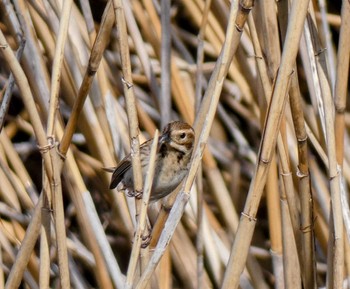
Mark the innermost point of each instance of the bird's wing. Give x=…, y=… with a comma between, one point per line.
x=119, y=171
x=125, y=164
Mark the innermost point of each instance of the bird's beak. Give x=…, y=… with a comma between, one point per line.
x=163, y=138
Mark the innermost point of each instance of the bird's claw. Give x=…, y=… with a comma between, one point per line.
x=145, y=238
x=135, y=194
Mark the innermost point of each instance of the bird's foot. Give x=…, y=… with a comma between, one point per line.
x=146, y=238
x=135, y=194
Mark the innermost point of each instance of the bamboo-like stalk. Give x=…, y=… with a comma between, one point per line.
x=112, y=265
x=141, y=225
x=285, y=171
x=94, y=62
x=240, y=247
x=199, y=180
x=342, y=73
x=290, y=261
x=23, y=85
x=28, y=243
x=271, y=186
x=306, y=255
x=28, y=98
x=333, y=171
x=341, y=83
x=141, y=49
x=5, y=103
x=328, y=43
x=18, y=166
x=307, y=220
x=95, y=241
x=165, y=99
x=208, y=108
x=132, y=114
x=57, y=64
x=57, y=200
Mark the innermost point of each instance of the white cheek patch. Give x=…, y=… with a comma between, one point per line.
x=178, y=147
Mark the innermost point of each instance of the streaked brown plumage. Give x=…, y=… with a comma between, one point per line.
x=174, y=151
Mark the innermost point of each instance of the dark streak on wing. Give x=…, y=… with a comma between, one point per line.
x=119, y=172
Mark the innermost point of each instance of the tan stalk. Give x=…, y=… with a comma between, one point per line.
x=57, y=200
x=341, y=83
x=334, y=173
x=165, y=62
x=27, y=246
x=203, y=125
x=306, y=199
x=22, y=82
x=199, y=180
x=274, y=209
x=132, y=114
x=291, y=257
x=141, y=225
x=246, y=227
x=141, y=49
x=94, y=62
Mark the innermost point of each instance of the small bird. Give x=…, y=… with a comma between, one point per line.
x=175, y=146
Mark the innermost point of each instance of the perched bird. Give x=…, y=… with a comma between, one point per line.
x=175, y=146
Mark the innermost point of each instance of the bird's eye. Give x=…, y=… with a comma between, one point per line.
x=183, y=135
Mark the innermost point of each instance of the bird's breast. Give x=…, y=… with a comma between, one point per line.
x=171, y=170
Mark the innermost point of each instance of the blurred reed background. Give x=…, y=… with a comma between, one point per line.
x=79, y=78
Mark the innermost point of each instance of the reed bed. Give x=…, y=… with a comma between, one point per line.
x=264, y=84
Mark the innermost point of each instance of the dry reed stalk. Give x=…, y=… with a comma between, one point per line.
x=291, y=265
x=27, y=246
x=271, y=185
x=11, y=198
x=177, y=89
x=333, y=172
x=111, y=263
x=200, y=226
x=57, y=201
x=6, y=99
x=247, y=223
x=88, y=232
x=342, y=74
x=208, y=107
x=23, y=84
x=285, y=171
x=94, y=62
x=306, y=198
x=182, y=252
x=142, y=221
x=290, y=222
x=165, y=60
x=327, y=40
x=141, y=50
x=133, y=130
x=18, y=167
x=39, y=132
x=267, y=31
x=63, y=147
x=164, y=271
